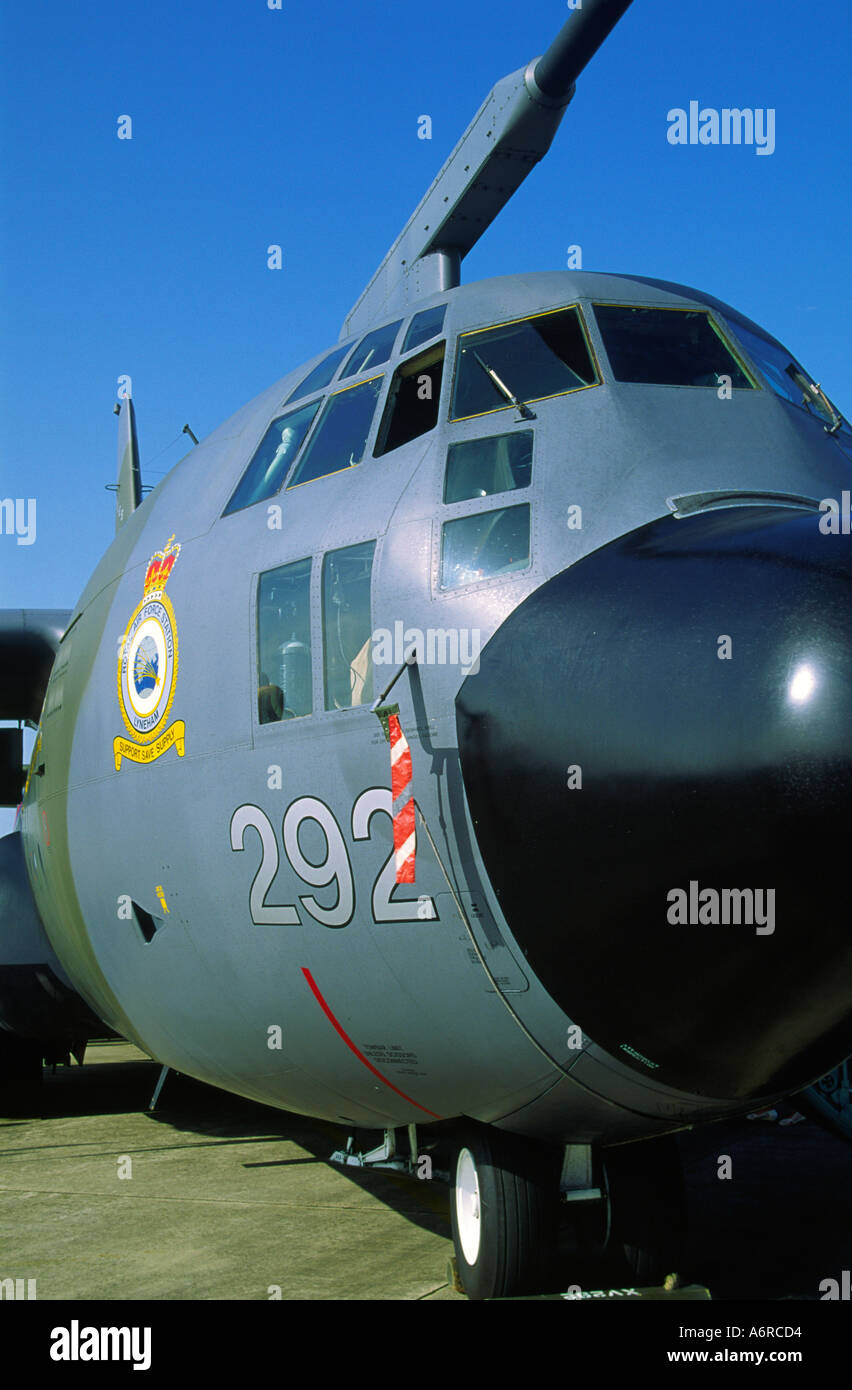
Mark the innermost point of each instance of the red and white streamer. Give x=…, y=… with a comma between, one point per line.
x=404, y=838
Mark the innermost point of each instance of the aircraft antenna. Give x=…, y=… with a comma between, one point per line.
x=507, y=137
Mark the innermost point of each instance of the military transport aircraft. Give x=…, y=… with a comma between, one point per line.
x=461, y=731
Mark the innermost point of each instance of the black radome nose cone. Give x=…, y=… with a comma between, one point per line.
x=674, y=712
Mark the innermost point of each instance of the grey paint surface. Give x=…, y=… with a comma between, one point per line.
x=204, y=992
x=419, y=1029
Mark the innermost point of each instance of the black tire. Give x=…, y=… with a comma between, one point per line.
x=518, y=1207
x=648, y=1199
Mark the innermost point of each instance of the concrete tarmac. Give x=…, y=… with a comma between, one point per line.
x=220, y=1198
x=214, y=1197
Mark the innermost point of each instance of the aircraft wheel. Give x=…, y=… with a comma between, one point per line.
x=648, y=1207
x=503, y=1215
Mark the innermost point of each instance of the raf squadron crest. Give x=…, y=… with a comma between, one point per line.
x=148, y=669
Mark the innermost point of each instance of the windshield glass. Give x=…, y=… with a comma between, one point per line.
x=790, y=381
x=373, y=350
x=529, y=360
x=319, y=377
x=425, y=325
x=667, y=347
x=272, y=458
x=339, y=439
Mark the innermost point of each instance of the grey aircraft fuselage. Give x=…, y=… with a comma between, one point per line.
x=438, y=1012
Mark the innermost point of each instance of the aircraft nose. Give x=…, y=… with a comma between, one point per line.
x=657, y=754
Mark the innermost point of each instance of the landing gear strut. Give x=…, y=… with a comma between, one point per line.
x=510, y=1197
x=648, y=1206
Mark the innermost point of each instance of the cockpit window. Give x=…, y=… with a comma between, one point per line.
x=412, y=404
x=425, y=325
x=480, y=467
x=667, y=347
x=339, y=439
x=790, y=381
x=272, y=458
x=319, y=377
x=525, y=360
x=484, y=545
x=373, y=350
x=284, y=643
x=347, y=625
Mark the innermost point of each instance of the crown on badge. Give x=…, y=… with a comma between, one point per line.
x=160, y=567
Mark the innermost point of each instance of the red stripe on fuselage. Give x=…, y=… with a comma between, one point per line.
x=350, y=1044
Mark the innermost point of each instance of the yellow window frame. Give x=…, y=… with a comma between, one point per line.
x=507, y=323
x=683, y=309
x=314, y=431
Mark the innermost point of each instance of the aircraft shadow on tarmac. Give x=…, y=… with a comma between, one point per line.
x=775, y=1229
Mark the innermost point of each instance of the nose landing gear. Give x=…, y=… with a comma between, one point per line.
x=504, y=1210
x=509, y=1199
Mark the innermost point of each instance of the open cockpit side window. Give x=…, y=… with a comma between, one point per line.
x=413, y=398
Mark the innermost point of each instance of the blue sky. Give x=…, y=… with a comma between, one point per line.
x=298, y=126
